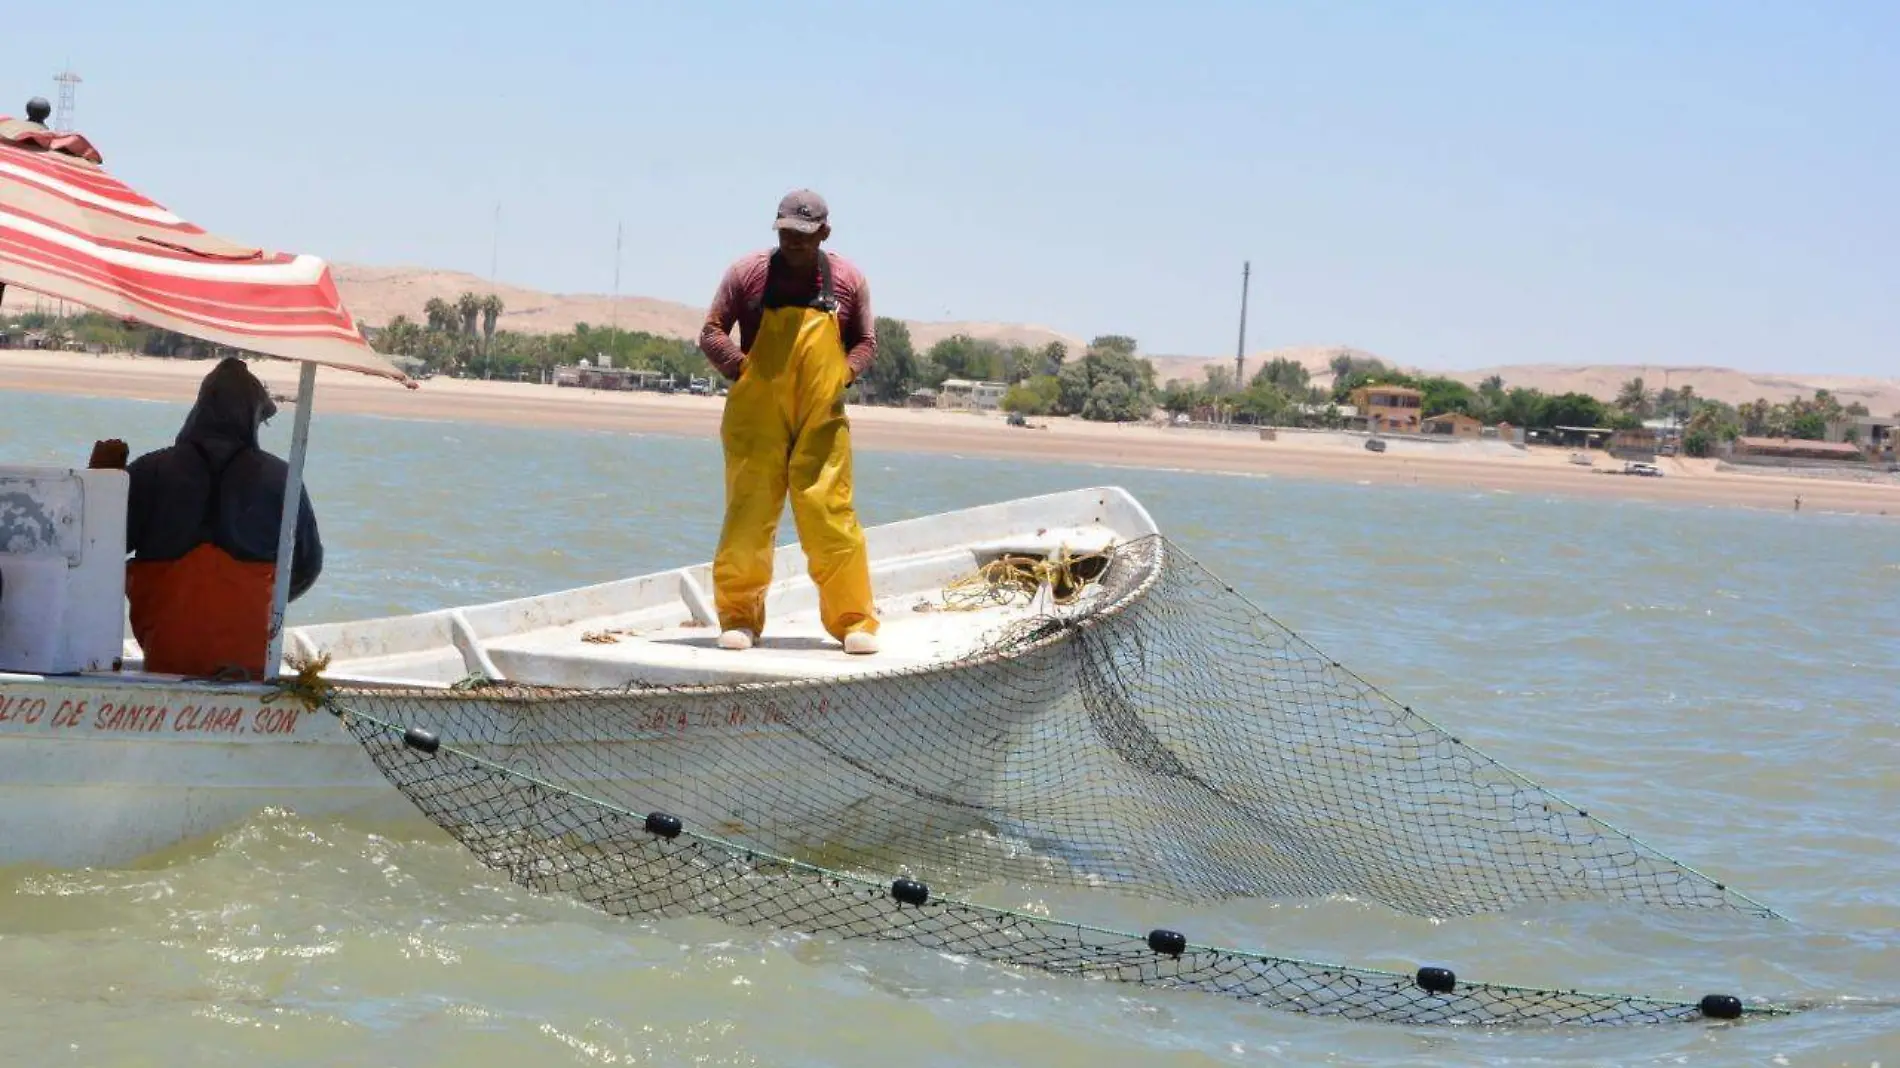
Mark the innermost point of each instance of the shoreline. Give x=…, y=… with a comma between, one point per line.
x=1317, y=456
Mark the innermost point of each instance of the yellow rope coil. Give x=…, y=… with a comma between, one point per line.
x=307, y=686
x=1004, y=579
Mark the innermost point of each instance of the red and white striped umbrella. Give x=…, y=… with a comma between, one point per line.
x=70, y=230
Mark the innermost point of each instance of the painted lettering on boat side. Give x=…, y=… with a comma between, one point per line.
x=21, y=709
x=737, y=715
x=100, y=712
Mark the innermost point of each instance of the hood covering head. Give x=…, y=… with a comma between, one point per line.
x=231, y=405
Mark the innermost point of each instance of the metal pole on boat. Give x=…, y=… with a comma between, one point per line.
x=287, y=524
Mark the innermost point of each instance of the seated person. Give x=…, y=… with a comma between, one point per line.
x=201, y=525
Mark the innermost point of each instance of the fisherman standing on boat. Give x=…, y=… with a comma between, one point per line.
x=202, y=521
x=805, y=334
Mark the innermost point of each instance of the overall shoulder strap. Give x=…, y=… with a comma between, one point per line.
x=826, y=300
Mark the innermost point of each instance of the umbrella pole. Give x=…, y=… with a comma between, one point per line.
x=287, y=524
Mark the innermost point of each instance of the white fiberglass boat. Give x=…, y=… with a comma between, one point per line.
x=101, y=762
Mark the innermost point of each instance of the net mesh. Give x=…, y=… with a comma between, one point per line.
x=1159, y=735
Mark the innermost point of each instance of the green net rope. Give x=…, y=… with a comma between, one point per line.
x=1167, y=738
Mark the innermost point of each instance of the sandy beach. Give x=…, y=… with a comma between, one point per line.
x=1293, y=455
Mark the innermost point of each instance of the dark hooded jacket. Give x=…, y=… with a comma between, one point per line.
x=217, y=485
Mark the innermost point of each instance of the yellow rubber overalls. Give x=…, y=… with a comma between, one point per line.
x=784, y=428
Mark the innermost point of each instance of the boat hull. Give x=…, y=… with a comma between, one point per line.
x=102, y=769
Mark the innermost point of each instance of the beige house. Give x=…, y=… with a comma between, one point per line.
x=961, y=393
x=1395, y=408
x=1454, y=424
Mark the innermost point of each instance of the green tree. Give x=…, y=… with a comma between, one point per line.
x=1220, y=380
x=894, y=373
x=962, y=356
x=1443, y=395
x=1073, y=386
x=1266, y=402
x=1808, y=426
x=1111, y=401
x=1036, y=396
x=1180, y=397
x=1368, y=373
x=1570, y=409
x=1287, y=376
x=400, y=336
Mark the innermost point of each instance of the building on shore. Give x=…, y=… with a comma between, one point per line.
x=1636, y=443
x=1875, y=433
x=1785, y=451
x=1393, y=408
x=959, y=394
x=1454, y=424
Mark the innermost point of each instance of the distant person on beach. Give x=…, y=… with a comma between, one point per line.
x=201, y=524
x=805, y=334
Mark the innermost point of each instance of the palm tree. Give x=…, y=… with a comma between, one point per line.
x=469, y=307
x=439, y=314
x=399, y=335
x=491, y=311
x=1633, y=398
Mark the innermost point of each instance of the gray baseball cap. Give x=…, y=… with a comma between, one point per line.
x=802, y=210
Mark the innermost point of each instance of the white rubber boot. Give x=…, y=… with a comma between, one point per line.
x=737, y=640
x=860, y=643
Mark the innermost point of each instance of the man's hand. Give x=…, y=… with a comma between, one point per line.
x=109, y=455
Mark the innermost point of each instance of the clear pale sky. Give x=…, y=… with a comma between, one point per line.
x=1451, y=185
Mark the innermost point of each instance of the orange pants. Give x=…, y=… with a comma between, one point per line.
x=201, y=614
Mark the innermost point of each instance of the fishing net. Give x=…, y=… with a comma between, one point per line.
x=1143, y=729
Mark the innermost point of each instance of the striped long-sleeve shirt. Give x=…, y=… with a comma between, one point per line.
x=741, y=299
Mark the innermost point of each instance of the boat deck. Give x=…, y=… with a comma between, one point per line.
x=913, y=632
x=661, y=629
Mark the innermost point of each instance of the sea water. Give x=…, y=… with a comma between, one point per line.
x=1720, y=683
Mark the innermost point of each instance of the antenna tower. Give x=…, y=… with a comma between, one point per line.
x=614, y=304
x=1240, y=350
x=68, y=80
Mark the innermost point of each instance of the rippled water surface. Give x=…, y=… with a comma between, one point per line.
x=1721, y=683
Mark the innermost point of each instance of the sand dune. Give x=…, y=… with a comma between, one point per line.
x=1880, y=395
x=1603, y=381
x=1473, y=466
x=377, y=294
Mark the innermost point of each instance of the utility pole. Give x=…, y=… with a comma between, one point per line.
x=614, y=304
x=1240, y=350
